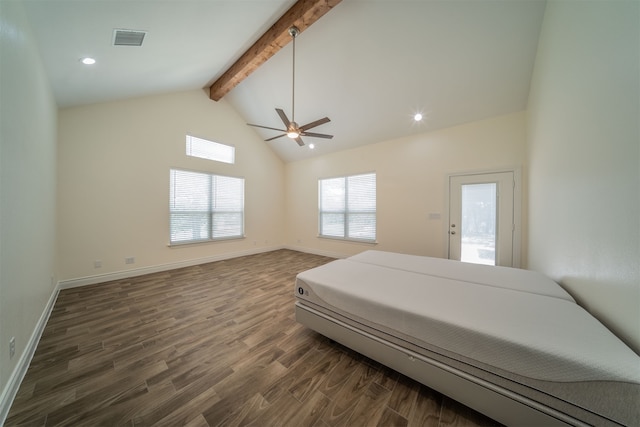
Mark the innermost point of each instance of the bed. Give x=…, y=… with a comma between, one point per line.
x=509, y=343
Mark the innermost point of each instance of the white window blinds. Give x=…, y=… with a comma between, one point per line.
x=204, y=149
x=205, y=207
x=347, y=207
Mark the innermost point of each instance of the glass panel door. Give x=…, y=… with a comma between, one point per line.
x=481, y=218
x=478, y=226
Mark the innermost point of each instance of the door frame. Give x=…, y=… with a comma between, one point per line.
x=517, y=209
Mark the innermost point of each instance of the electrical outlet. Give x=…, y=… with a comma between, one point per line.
x=12, y=347
x=97, y=263
x=130, y=260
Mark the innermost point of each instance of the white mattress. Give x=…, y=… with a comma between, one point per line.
x=502, y=277
x=540, y=336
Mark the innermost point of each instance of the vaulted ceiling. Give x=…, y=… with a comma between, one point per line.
x=369, y=65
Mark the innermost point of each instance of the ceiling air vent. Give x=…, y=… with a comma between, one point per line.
x=128, y=37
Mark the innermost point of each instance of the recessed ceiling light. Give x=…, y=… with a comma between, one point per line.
x=312, y=146
x=88, y=61
x=417, y=117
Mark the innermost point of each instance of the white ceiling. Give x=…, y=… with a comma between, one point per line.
x=368, y=65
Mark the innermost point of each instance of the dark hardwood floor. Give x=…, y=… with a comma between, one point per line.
x=215, y=344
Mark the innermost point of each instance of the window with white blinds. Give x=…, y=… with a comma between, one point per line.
x=205, y=207
x=347, y=207
x=210, y=150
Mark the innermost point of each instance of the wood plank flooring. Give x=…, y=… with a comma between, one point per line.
x=211, y=345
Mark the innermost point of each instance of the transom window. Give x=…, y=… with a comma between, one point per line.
x=210, y=150
x=347, y=207
x=205, y=207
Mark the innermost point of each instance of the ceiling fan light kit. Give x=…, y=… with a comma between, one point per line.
x=292, y=130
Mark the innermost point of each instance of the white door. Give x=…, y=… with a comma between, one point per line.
x=481, y=218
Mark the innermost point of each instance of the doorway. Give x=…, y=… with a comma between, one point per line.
x=482, y=218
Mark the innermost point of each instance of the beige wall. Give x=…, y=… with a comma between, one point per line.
x=584, y=158
x=412, y=178
x=113, y=159
x=113, y=199
x=27, y=191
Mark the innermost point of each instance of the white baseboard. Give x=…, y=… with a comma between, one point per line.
x=124, y=274
x=15, y=379
x=119, y=275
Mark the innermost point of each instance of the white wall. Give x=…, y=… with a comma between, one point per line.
x=584, y=160
x=412, y=178
x=27, y=189
x=113, y=198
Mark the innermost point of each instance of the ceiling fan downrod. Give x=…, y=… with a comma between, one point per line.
x=292, y=130
x=293, y=32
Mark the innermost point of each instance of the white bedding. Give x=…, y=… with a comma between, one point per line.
x=537, y=336
x=502, y=277
x=514, y=331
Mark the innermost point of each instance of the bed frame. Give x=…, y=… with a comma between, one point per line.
x=487, y=391
x=502, y=405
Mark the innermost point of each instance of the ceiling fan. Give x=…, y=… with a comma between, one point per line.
x=292, y=130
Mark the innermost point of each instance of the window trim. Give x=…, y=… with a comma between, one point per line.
x=209, y=212
x=346, y=212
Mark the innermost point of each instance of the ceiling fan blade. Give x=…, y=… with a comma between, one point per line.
x=299, y=141
x=275, y=137
x=266, y=127
x=283, y=116
x=314, y=124
x=317, y=135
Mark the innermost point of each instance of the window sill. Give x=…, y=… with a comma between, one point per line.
x=204, y=242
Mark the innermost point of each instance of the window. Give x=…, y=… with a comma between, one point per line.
x=347, y=207
x=198, y=147
x=205, y=207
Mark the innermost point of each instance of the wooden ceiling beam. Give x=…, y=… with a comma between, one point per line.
x=302, y=14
